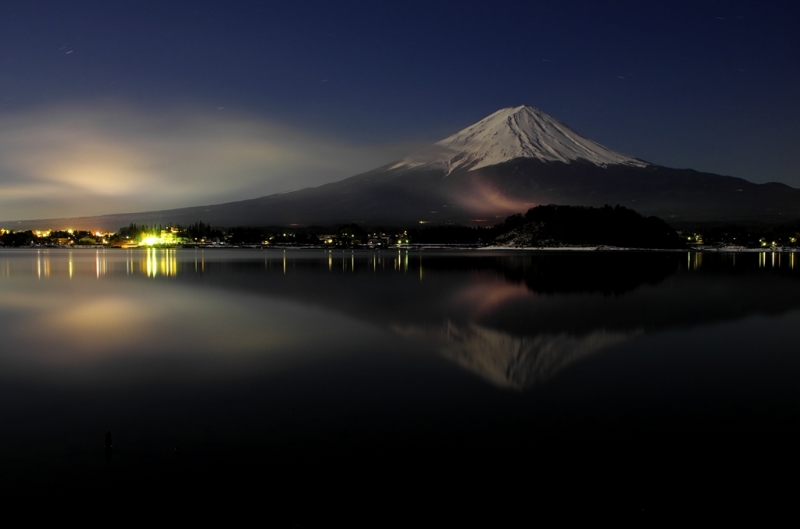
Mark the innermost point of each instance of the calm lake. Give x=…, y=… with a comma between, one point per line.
x=338, y=383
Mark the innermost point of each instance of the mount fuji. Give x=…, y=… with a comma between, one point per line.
x=508, y=162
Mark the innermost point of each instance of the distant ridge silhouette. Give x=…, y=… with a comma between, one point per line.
x=510, y=161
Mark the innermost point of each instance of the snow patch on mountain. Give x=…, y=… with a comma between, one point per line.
x=509, y=133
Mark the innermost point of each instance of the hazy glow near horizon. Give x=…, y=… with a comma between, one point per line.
x=71, y=161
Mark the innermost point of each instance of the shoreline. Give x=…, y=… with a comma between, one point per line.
x=597, y=248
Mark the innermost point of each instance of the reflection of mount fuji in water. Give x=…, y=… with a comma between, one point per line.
x=516, y=319
x=513, y=361
x=520, y=320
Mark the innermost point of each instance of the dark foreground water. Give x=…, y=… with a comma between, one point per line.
x=383, y=386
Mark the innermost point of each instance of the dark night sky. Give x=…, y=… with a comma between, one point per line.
x=124, y=106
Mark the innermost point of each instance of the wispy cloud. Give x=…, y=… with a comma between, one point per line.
x=71, y=161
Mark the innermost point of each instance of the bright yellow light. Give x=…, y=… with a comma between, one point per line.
x=150, y=241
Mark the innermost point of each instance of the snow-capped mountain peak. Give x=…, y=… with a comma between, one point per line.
x=518, y=132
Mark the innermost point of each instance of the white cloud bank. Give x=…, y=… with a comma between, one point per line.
x=76, y=161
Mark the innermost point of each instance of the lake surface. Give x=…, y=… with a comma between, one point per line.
x=315, y=384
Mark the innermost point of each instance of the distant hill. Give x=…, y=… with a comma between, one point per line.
x=554, y=226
